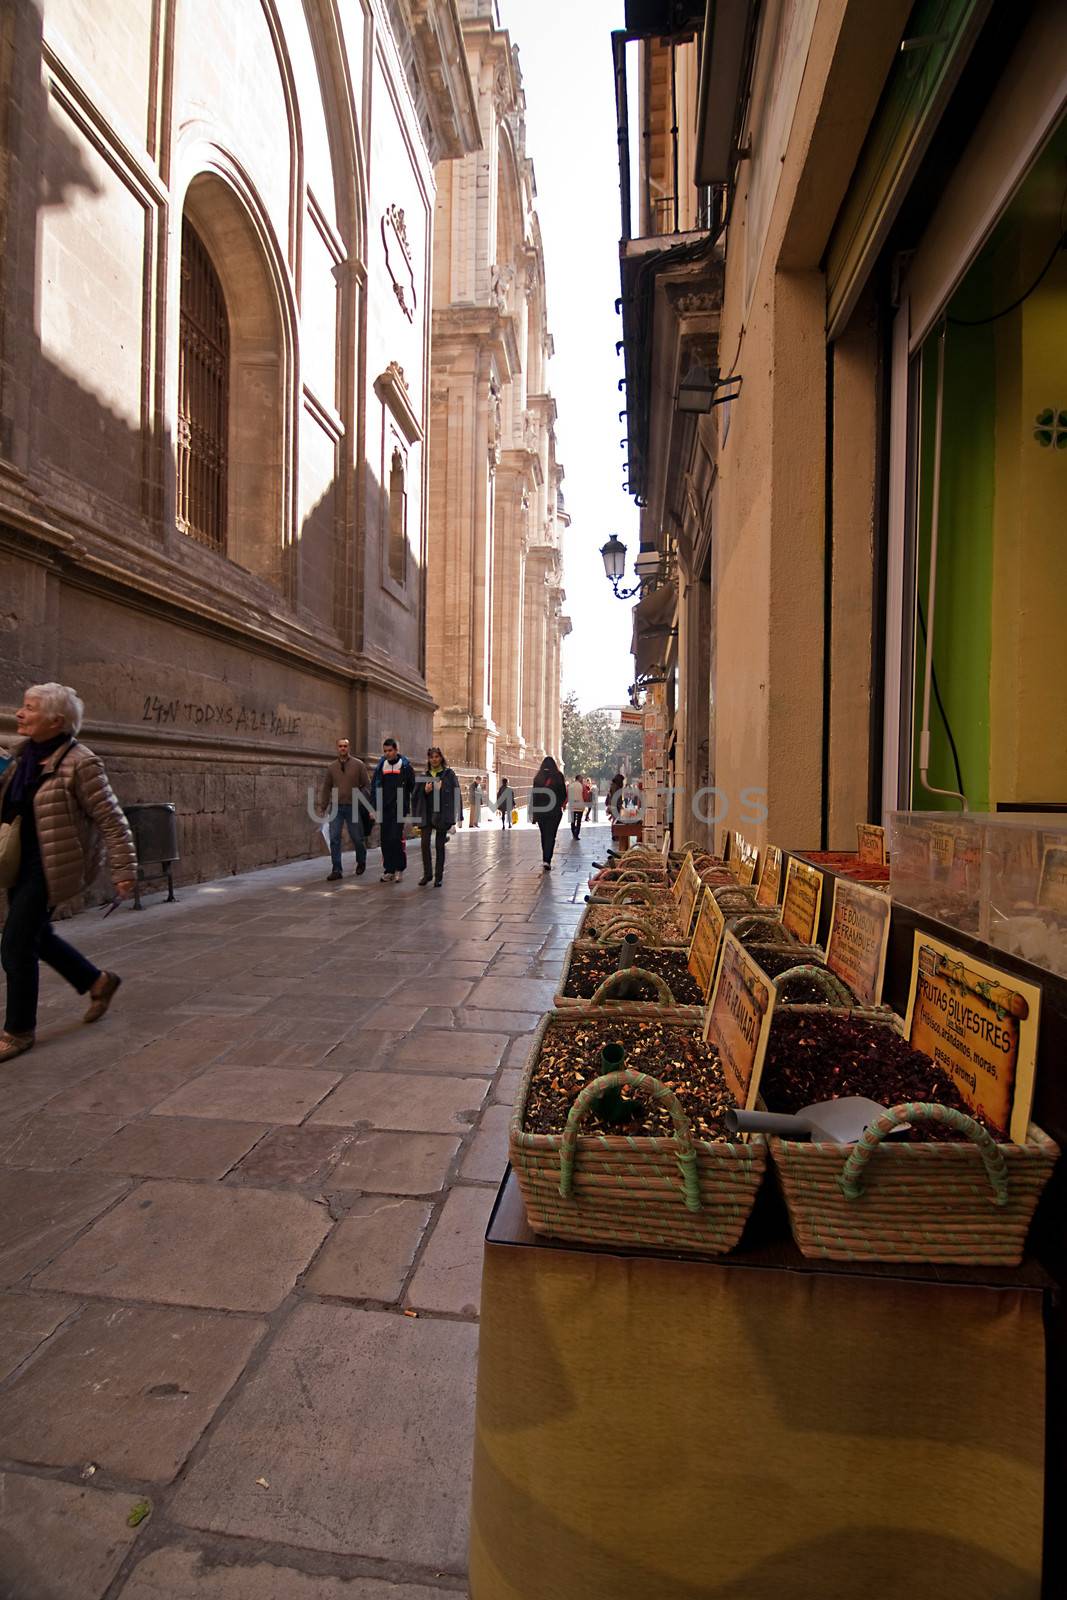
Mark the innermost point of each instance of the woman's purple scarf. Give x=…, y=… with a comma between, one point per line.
x=28, y=765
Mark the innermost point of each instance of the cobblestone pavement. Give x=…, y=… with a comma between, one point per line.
x=241, y=1224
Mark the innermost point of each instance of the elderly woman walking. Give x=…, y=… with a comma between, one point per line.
x=54, y=797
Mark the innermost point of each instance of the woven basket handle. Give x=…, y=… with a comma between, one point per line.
x=914, y=1114
x=831, y=986
x=640, y=891
x=623, y=923
x=686, y=1155
x=604, y=991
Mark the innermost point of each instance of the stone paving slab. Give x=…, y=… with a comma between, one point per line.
x=59, y=1541
x=439, y=1050
x=26, y=1321
x=513, y=994
x=125, y=1089
x=175, y=1147
x=347, y=1397
x=509, y=1021
x=449, y=1276
x=270, y=1094
x=487, y=1154
x=47, y=1141
x=195, y=1245
x=506, y=1088
x=293, y=1156
x=184, y=1575
x=39, y=1215
x=129, y=1388
x=415, y=1103
x=395, y=1163
x=369, y=1253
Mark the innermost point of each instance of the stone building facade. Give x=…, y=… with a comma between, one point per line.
x=215, y=263
x=495, y=605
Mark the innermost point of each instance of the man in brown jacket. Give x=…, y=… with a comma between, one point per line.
x=344, y=779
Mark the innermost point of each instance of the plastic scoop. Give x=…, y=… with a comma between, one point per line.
x=830, y=1122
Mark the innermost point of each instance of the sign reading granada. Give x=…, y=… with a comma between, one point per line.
x=704, y=950
x=803, y=898
x=739, y=1020
x=980, y=1026
x=859, y=939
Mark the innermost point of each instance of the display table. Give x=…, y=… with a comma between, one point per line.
x=754, y=1427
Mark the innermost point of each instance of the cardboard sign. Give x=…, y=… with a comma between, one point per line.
x=686, y=889
x=870, y=841
x=859, y=939
x=738, y=1022
x=770, y=881
x=802, y=901
x=707, y=937
x=980, y=1026
x=1052, y=887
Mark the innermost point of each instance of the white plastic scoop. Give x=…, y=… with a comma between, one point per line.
x=831, y=1121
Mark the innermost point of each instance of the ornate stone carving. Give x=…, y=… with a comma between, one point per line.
x=500, y=283
x=398, y=260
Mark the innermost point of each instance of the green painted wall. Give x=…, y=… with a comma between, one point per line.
x=963, y=633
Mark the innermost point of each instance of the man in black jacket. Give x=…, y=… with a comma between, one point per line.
x=391, y=790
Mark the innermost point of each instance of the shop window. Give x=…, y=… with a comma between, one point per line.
x=398, y=520
x=203, y=396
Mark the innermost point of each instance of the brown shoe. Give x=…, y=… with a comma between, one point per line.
x=101, y=997
x=14, y=1044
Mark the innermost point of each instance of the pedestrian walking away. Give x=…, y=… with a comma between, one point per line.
x=438, y=805
x=391, y=788
x=475, y=803
x=56, y=805
x=548, y=799
x=505, y=802
x=345, y=782
x=576, y=803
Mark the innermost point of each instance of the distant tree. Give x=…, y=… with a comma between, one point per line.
x=590, y=741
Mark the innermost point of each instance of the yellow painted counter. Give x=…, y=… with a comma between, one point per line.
x=756, y=1428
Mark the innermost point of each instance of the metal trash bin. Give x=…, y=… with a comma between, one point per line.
x=155, y=835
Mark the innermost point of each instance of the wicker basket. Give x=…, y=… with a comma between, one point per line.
x=898, y=1201
x=609, y=921
x=602, y=998
x=670, y=1194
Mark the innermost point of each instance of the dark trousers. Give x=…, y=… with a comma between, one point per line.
x=576, y=823
x=549, y=827
x=433, y=837
x=394, y=856
x=347, y=817
x=28, y=940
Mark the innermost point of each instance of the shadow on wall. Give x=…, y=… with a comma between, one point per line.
x=87, y=456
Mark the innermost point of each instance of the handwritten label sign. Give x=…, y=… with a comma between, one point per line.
x=870, y=841
x=1052, y=888
x=746, y=857
x=770, y=881
x=802, y=901
x=980, y=1026
x=704, y=950
x=686, y=889
x=859, y=939
x=738, y=1022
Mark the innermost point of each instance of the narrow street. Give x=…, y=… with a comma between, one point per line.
x=241, y=1224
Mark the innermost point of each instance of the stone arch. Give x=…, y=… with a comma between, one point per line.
x=233, y=226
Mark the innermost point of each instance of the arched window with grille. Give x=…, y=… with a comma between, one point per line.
x=203, y=396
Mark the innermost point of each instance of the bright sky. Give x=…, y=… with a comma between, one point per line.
x=565, y=56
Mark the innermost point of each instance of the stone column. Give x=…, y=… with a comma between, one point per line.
x=511, y=495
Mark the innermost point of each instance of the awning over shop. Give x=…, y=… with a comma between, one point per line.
x=653, y=619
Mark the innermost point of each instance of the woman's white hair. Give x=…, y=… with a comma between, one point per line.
x=59, y=700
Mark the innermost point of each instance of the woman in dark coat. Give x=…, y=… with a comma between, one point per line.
x=438, y=804
x=547, y=802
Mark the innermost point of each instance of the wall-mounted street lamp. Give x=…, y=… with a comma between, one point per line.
x=647, y=566
x=698, y=390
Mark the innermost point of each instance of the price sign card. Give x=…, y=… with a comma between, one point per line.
x=980, y=1026
x=870, y=841
x=803, y=898
x=686, y=890
x=770, y=881
x=747, y=857
x=859, y=939
x=704, y=950
x=738, y=1021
